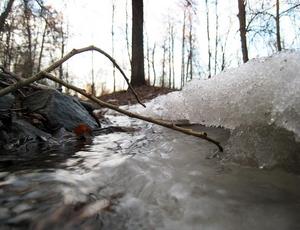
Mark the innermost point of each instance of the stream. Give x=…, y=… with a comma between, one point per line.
x=153, y=178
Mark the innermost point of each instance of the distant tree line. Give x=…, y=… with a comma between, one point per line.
x=33, y=33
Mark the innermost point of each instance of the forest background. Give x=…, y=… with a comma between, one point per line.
x=183, y=39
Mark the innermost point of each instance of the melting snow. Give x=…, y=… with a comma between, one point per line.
x=258, y=101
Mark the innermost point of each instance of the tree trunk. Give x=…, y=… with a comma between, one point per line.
x=113, y=42
x=42, y=48
x=28, y=65
x=242, y=21
x=126, y=33
x=217, y=37
x=148, y=62
x=153, y=64
x=137, y=66
x=191, y=46
x=163, y=75
x=170, y=54
x=173, y=62
x=278, y=39
x=183, y=50
x=5, y=14
x=208, y=39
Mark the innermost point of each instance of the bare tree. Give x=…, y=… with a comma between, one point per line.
x=264, y=23
x=113, y=42
x=148, y=61
x=36, y=28
x=126, y=32
x=277, y=19
x=153, y=64
x=171, y=43
x=4, y=14
x=242, y=21
x=173, y=54
x=163, y=72
x=137, y=65
x=208, y=38
x=183, y=48
x=216, y=36
x=29, y=62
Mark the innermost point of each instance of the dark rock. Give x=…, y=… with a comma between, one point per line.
x=24, y=137
x=60, y=110
x=6, y=101
x=90, y=108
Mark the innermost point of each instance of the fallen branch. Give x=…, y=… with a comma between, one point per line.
x=45, y=73
x=130, y=114
x=59, y=62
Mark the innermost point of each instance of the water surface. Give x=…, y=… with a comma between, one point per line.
x=153, y=178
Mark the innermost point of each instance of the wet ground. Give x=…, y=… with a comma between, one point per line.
x=150, y=179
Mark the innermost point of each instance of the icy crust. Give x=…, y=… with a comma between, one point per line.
x=257, y=101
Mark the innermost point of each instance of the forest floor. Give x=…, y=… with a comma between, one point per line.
x=126, y=97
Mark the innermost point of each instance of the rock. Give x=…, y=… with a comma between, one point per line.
x=60, y=110
x=6, y=101
x=24, y=137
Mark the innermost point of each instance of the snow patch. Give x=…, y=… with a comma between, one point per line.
x=258, y=101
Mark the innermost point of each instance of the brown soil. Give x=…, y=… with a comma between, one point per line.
x=126, y=97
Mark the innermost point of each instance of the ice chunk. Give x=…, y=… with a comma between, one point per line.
x=263, y=94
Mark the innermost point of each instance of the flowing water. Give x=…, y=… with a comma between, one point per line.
x=153, y=178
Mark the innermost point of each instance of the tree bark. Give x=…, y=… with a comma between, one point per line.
x=29, y=64
x=113, y=42
x=183, y=50
x=190, y=58
x=208, y=39
x=277, y=18
x=242, y=21
x=217, y=37
x=5, y=14
x=42, y=48
x=137, y=65
x=163, y=74
x=153, y=64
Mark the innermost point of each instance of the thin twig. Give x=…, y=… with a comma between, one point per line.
x=130, y=114
x=56, y=64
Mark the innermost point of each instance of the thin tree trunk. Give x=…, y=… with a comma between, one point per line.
x=188, y=67
x=173, y=62
x=113, y=42
x=242, y=21
x=208, y=39
x=170, y=56
x=93, y=76
x=153, y=64
x=42, y=48
x=148, y=61
x=5, y=14
x=7, y=48
x=163, y=65
x=191, y=47
x=28, y=68
x=62, y=53
x=126, y=33
x=217, y=37
x=183, y=51
x=277, y=18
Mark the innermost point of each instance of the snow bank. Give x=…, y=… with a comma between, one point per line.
x=258, y=101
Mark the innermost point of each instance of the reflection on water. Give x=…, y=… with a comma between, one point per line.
x=151, y=179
